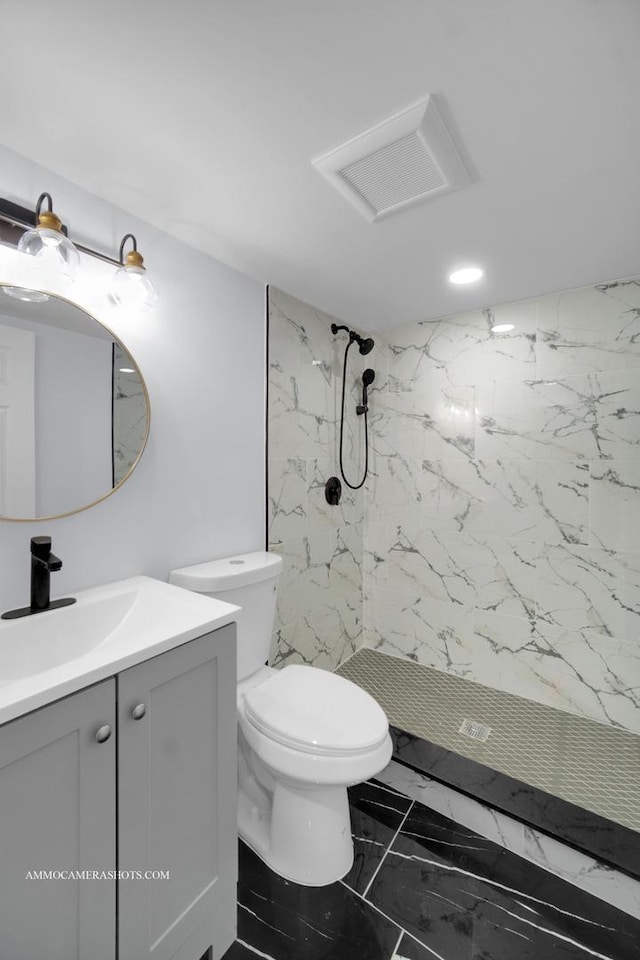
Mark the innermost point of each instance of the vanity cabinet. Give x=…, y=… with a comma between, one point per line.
x=57, y=813
x=158, y=794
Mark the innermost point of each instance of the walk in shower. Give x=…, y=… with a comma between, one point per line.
x=496, y=541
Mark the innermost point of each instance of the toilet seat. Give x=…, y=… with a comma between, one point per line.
x=313, y=711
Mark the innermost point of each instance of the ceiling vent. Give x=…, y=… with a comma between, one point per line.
x=400, y=162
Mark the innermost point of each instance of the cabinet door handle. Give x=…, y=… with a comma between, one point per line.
x=138, y=711
x=103, y=733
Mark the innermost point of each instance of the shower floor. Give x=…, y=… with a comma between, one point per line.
x=588, y=764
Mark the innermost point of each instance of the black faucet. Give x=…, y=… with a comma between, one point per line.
x=43, y=563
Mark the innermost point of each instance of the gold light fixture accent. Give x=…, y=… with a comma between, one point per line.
x=48, y=242
x=44, y=237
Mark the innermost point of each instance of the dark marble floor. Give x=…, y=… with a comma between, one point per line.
x=422, y=887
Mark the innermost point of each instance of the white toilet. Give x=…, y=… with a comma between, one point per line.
x=304, y=735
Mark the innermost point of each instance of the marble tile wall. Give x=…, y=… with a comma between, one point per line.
x=502, y=521
x=319, y=613
x=129, y=415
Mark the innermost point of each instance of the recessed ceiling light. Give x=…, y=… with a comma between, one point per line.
x=502, y=327
x=466, y=275
x=127, y=370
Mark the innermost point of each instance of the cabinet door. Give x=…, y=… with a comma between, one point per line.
x=177, y=801
x=57, y=813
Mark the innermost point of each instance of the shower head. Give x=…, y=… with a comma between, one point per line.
x=365, y=346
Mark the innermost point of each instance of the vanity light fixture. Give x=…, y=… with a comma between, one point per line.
x=131, y=286
x=466, y=275
x=43, y=235
x=47, y=239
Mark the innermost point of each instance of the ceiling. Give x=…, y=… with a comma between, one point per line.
x=203, y=118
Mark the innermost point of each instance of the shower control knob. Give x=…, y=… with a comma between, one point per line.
x=103, y=733
x=138, y=711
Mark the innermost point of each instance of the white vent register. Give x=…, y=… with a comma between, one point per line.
x=400, y=162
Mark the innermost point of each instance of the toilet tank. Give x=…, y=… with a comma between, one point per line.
x=249, y=580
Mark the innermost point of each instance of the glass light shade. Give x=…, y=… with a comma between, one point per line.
x=52, y=247
x=131, y=287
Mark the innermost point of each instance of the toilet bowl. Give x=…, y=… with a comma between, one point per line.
x=304, y=735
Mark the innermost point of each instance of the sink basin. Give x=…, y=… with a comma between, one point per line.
x=51, y=654
x=45, y=640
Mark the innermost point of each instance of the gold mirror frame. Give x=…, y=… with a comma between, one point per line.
x=118, y=341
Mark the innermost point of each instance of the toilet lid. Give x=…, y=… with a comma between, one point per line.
x=316, y=712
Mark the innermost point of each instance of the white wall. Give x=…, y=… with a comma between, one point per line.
x=198, y=490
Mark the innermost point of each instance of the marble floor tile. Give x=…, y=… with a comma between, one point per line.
x=408, y=949
x=377, y=812
x=440, y=890
x=465, y=898
x=241, y=951
x=281, y=920
x=574, y=866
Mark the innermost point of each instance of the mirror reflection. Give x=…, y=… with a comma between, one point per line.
x=74, y=410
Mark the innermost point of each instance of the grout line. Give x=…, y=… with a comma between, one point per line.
x=393, y=840
x=372, y=906
x=395, y=949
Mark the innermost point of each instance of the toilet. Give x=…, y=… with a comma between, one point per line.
x=304, y=735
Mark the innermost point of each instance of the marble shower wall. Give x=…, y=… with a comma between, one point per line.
x=319, y=612
x=502, y=533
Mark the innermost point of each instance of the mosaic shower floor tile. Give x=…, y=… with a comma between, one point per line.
x=588, y=764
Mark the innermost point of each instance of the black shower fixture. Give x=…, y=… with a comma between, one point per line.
x=333, y=487
x=365, y=346
x=368, y=377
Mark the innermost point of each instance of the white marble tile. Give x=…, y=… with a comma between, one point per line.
x=545, y=502
x=489, y=573
x=319, y=606
x=287, y=499
x=587, y=416
x=571, y=865
x=594, y=591
x=595, y=676
x=589, y=330
x=416, y=628
x=396, y=482
x=130, y=421
x=464, y=347
x=448, y=431
x=325, y=636
x=614, y=499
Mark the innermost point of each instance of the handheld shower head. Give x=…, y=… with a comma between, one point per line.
x=368, y=377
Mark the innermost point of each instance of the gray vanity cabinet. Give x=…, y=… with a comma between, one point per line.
x=136, y=773
x=177, y=801
x=57, y=813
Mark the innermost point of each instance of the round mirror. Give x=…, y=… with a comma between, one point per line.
x=74, y=409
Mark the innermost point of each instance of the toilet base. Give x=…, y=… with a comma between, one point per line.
x=302, y=834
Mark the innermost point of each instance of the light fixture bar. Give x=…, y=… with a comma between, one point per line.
x=22, y=218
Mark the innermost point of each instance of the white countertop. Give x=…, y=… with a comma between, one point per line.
x=156, y=617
